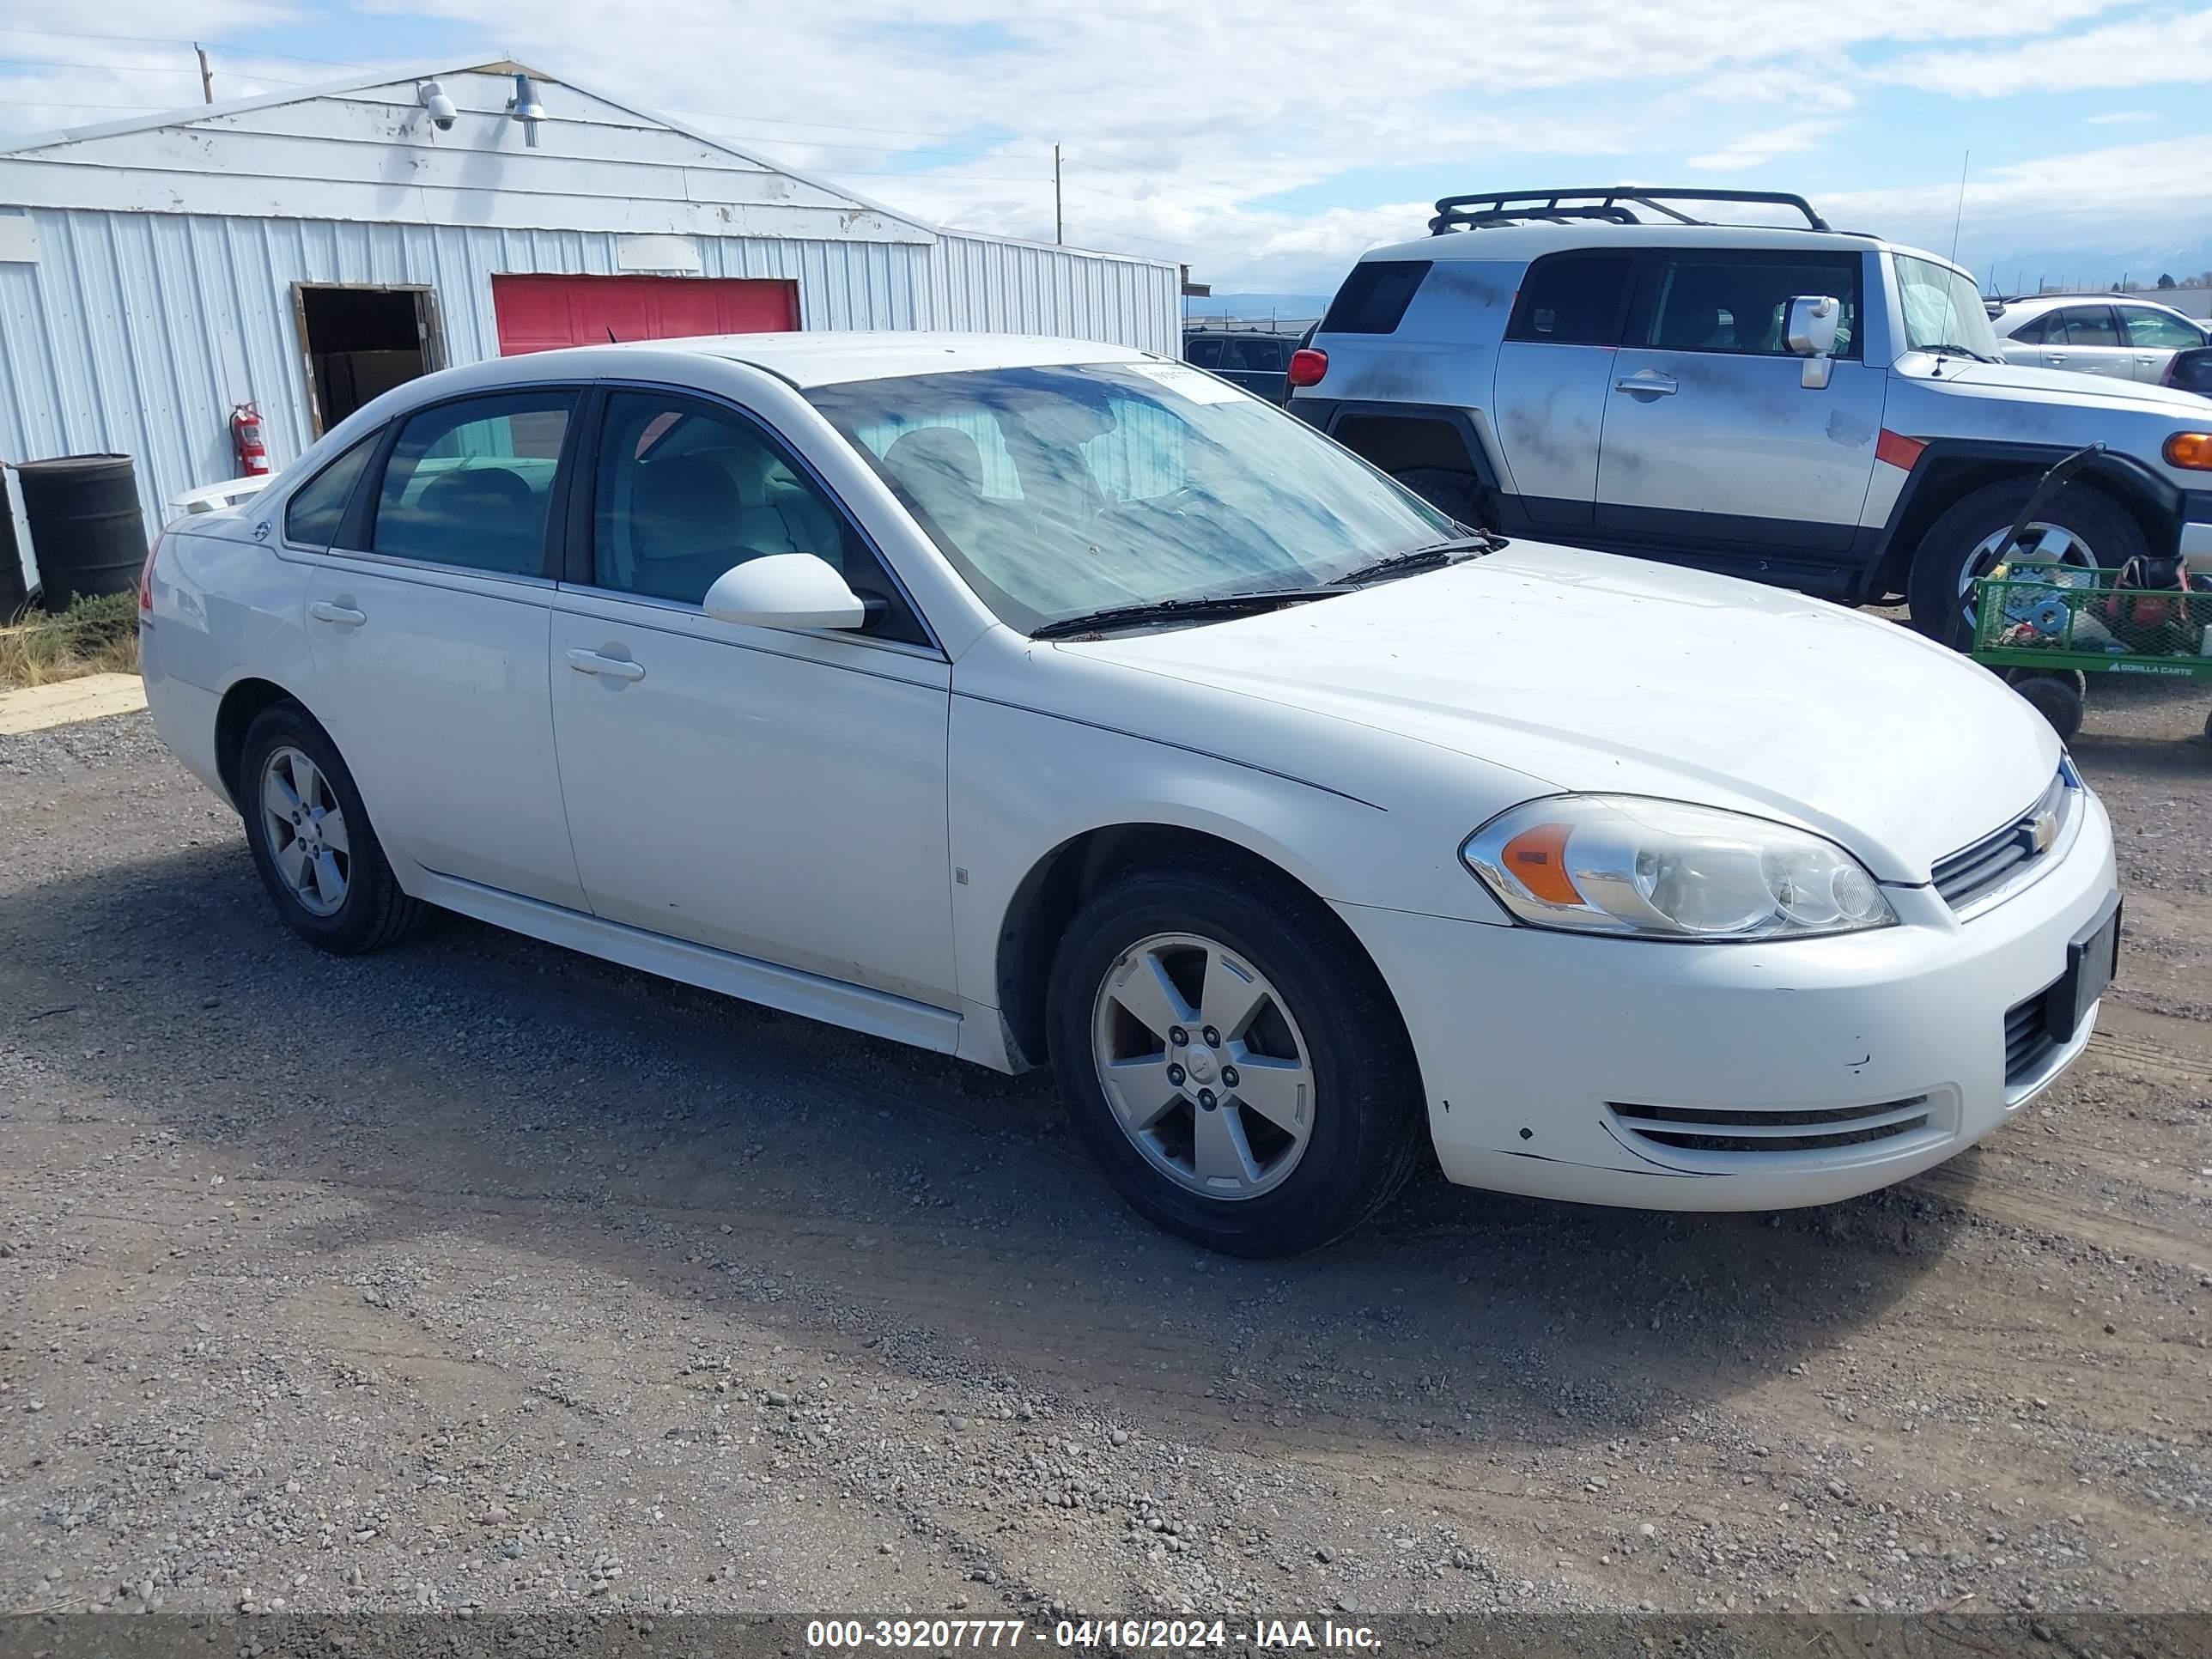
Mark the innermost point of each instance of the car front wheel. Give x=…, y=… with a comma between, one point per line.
x=2078, y=524
x=1232, y=1060
x=311, y=841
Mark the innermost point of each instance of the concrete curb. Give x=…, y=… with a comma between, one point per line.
x=65, y=702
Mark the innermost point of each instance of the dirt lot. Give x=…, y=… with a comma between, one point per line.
x=479, y=1274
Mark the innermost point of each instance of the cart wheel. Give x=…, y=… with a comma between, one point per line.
x=2207, y=728
x=2017, y=678
x=2056, y=701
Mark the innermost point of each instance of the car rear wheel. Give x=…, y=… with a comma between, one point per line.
x=311, y=841
x=1232, y=1060
x=2078, y=524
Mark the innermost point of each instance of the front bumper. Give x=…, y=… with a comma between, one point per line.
x=1542, y=1051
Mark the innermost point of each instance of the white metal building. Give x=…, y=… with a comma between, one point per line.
x=302, y=252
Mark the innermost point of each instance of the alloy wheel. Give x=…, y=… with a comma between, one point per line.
x=306, y=830
x=2039, y=544
x=1203, y=1066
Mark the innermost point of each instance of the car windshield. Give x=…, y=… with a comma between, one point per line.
x=1062, y=490
x=1942, y=307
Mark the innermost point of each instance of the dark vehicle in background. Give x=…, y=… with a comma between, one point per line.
x=2192, y=371
x=1252, y=358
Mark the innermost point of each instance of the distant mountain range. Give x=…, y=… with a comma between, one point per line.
x=1247, y=307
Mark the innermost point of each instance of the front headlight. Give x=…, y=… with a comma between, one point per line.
x=1662, y=869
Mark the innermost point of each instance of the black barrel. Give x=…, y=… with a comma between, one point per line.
x=11, y=563
x=86, y=525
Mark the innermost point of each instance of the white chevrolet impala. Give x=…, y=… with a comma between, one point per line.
x=1054, y=704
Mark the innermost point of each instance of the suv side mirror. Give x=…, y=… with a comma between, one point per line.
x=1810, y=332
x=785, y=590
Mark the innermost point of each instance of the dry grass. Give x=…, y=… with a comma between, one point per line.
x=93, y=637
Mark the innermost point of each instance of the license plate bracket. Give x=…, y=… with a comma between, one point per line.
x=2092, y=959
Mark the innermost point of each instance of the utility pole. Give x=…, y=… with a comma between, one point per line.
x=1058, y=235
x=1960, y=218
x=207, y=74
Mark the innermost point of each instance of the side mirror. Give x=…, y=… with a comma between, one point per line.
x=1810, y=331
x=785, y=590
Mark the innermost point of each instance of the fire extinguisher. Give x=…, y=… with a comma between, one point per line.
x=245, y=435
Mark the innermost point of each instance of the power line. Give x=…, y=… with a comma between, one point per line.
x=177, y=40
x=147, y=68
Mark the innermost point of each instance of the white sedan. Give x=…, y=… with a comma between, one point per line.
x=1054, y=704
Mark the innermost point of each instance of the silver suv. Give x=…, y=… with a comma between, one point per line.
x=2119, y=335
x=1802, y=405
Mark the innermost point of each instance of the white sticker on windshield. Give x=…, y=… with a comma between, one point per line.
x=1193, y=383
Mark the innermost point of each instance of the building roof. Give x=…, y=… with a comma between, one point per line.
x=197, y=181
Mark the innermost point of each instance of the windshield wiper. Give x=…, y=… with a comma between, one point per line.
x=1432, y=556
x=1212, y=606
x=1946, y=349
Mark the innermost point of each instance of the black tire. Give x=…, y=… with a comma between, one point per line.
x=1369, y=1117
x=374, y=912
x=1940, y=564
x=1458, y=493
x=2074, y=677
x=2054, y=699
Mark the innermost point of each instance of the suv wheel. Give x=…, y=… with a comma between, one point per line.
x=1231, y=1059
x=311, y=838
x=2079, y=524
x=1457, y=493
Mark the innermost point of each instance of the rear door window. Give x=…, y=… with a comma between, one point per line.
x=312, y=517
x=1203, y=352
x=469, y=482
x=1572, y=299
x=2087, y=325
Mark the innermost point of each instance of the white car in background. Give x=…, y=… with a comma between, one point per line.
x=2119, y=336
x=1048, y=703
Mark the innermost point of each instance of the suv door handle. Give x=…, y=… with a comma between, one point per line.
x=345, y=616
x=617, y=668
x=1648, y=381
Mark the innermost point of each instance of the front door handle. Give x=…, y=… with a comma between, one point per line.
x=344, y=615
x=615, y=668
x=1648, y=381
x=2054, y=357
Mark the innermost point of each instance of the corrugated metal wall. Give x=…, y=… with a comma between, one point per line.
x=1023, y=288
x=137, y=332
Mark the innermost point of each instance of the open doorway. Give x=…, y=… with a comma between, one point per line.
x=360, y=342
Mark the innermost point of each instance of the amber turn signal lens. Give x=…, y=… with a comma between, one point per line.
x=2191, y=449
x=1538, y=859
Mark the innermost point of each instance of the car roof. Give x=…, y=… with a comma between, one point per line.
x=824, y=358
x=1519, y=243
x=2029, y=305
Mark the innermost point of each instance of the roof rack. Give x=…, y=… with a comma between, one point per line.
x=1609, y=204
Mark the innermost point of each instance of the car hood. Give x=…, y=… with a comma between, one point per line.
x=1586, y=671
x=2050, y=385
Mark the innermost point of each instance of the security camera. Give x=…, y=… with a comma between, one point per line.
x=432, y=97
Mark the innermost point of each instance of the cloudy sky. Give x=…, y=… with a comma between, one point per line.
x=1268, y=141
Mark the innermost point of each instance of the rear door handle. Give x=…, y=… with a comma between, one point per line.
x=343, y=614
x=1648, y=381
x=2054, y=357
x=615, y=668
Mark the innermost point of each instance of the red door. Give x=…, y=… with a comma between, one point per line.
x=537, y=313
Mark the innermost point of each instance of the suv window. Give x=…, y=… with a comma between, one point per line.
x=1204, y=351
x=469, y=482
x=1740, y=303
x=2160, y=330
x=312, y=517
x=687, y=489
x=1572, y=299
x=1374, y=297
x=2087, y=325
x=1256, y=356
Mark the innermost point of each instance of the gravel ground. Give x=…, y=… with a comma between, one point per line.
x=481, y=1275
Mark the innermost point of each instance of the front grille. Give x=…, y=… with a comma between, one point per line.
x=2028, y=1041
x=1972, y=870
x=1731, y=1129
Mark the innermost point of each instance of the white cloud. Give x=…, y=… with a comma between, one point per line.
x=2120, y=118
x=2149, y=49
x=1813, y=86
x=1753, y=149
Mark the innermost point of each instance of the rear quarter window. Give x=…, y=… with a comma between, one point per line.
x=1374, y=298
